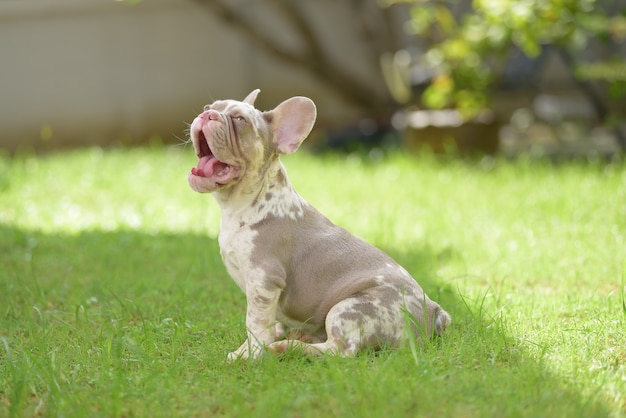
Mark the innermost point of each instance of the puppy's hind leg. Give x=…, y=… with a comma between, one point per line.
x=317, y=349
x=311, y=342
x=354, y=323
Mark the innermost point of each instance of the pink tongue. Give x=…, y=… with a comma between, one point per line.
x=207, y=166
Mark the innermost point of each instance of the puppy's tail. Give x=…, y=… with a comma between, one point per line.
x=441, y=320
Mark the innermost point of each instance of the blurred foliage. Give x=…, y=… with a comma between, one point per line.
x=467, y=45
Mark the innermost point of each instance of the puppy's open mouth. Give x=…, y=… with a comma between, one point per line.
x=209, y=166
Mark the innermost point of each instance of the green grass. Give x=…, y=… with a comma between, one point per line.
x=114, y=301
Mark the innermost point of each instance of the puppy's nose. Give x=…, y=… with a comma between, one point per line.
x=209, y=115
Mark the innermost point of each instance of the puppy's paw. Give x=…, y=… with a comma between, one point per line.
x=278, y=347
x=246, y=351
x=242, y=353
x=235, y=356
x=279, y=331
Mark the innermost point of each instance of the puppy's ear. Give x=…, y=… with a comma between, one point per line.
x=250, y=98
x=291, y=122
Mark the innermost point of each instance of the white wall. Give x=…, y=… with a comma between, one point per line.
x=100, y=71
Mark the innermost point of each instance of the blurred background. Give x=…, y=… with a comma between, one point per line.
x=488, y=76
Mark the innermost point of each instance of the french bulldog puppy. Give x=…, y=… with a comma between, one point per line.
x=308, y=283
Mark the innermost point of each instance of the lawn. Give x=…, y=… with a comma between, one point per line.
x=114, y=301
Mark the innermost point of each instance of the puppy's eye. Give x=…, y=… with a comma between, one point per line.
x=239, y=118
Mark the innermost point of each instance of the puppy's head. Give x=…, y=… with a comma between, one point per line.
x=234, y=141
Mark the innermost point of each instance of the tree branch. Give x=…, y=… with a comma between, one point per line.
x=294, y=14
x=312, y=61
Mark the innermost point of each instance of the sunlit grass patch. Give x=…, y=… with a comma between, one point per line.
x=114, y=300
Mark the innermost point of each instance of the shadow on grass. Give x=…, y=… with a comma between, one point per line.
x=51, y=269
x=484, y=367
x=476, y=369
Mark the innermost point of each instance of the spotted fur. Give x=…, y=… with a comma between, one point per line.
x=308, y=283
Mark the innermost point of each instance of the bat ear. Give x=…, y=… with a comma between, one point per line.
x=250, y=98
x=291, y=122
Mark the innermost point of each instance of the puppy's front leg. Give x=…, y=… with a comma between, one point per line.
x=260, y=321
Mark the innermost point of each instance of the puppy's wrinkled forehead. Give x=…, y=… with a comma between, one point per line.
x=230, y=106
x=235, y=109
